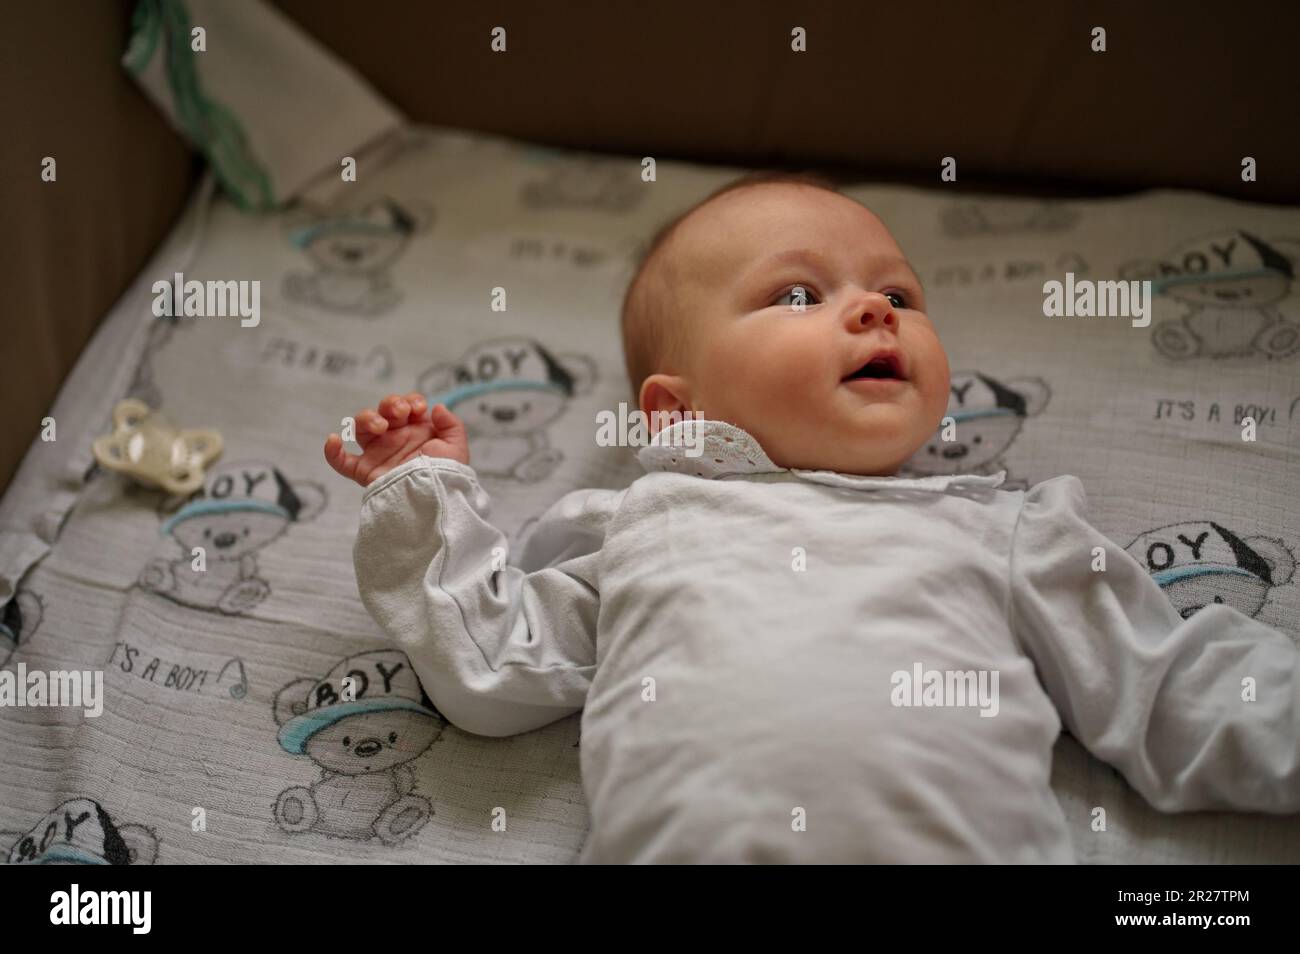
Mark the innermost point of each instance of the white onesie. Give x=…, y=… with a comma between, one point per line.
x=744, y=641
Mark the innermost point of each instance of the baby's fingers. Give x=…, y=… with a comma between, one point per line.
x=450, y=438
x=449, y=426
x=395, y=409
x=339, y=459
x=418, y=404
x=370, y=425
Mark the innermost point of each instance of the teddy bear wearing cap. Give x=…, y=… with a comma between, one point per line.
x=1201, y=563
x=80, y=831
x=987, y=415
x=242, y=508
x=1233, y=285
x=352, y=250
x=363, y=723
x=507, y=391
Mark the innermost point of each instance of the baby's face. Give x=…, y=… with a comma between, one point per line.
x=855, y=380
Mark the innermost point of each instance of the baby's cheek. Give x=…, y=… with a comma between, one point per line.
x=931, y=374
x=938, y=390
x=747, y=365
x=789, y=382
x=934, y=406
x=799, y=357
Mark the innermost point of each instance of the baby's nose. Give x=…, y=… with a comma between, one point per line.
x=874, y=308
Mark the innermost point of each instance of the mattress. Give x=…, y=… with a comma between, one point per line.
x=395, y=282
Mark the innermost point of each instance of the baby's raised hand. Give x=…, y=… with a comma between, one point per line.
x=400, y=430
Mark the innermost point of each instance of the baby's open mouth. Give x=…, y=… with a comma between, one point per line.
x=881, y=367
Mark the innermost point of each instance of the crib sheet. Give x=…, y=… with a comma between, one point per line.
x=223, y=738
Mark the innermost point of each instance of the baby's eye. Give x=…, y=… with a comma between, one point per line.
x=896, y=299
x=798, y=296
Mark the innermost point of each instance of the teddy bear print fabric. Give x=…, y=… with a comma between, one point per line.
x=254, y=712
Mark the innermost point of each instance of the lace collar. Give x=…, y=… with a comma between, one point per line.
x=729, y=451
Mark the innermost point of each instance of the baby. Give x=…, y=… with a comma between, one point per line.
x=783, y=651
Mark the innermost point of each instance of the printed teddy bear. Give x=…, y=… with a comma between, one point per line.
x=1201, y=563
x=352, y=251
x=507, y=391
x=80, y=831
x=242, y=508
x=1232, y=284
x=987, y=416
x=362, y=724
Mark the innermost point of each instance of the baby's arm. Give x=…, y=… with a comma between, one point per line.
x=1166, y=700
x=498, y=650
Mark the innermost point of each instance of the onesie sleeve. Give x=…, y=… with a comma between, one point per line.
x=498, y=650
x=1166, y=700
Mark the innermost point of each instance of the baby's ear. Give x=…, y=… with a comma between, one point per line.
x=582, y=370
x=1035, y=392
x=665, y=394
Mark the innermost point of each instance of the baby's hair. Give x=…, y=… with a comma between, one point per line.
x=649, y=333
